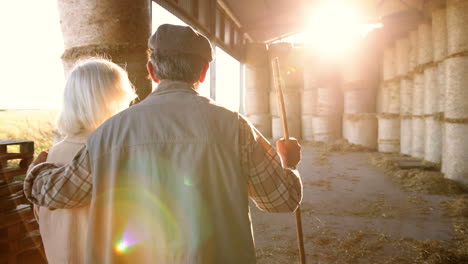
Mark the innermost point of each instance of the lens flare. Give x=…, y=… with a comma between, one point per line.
x=122, y=246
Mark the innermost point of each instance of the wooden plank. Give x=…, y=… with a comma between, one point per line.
x=10, y=203
x=10, y=156
x=8, y=189
x=9, y=173
x=16, y=217
x=14, y=142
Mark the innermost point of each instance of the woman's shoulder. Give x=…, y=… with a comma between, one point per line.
x=65, y=150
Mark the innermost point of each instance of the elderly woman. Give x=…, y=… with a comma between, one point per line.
x=95, y=90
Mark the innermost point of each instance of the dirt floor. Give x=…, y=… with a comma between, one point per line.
x=355, y=212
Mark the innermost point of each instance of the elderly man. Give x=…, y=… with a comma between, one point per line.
x=169, y=178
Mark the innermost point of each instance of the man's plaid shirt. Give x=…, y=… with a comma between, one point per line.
x=271, y=187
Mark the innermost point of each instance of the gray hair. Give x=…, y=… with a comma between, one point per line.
x=179, y=67
x=96, y=89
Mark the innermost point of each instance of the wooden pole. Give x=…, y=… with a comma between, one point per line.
x=277, y=79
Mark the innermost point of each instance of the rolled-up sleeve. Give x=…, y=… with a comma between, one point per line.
x=60, y=187
x=271, y=187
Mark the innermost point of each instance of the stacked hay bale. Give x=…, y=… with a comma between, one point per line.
x=257, y=84
x=388, y=120
x=359, y=96
x=115, y=29
x=292, y=82
x=403, y=47
x=308, y=101
x=455, y=156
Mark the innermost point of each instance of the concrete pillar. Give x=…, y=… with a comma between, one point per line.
x=114, y=29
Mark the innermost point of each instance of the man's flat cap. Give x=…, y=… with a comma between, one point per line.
x=180, y=39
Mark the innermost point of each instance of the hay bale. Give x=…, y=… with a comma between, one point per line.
x=380, y=99
x=418, y=94
x=388, y=134
x=457, y=22
x=257, y=78
x=256, y=54
x=393, y=98
x=433, y=140
x=425, y=50
x=328, y=101
x=439, y=33
x=431, y=91
x=413, y=53
x=456, y=94
x=307, y=128
x=361, y=129
x=294, y=127
x=326, y=128
x=360, y=100
x=292, y=104
x=441, y=83
x=456, y=154
x=402, y=56
x=256, y=102
x=262, y=122
x=406, y=131
x=309, y=102
x=406, y=97
x=418, y=137
x=389, y=63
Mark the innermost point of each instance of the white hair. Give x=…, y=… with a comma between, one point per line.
x=96, y=89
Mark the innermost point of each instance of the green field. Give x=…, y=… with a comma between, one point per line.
x=35, y=125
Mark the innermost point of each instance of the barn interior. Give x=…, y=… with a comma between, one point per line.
x=375, y=90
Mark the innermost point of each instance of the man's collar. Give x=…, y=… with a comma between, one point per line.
x=170, y=85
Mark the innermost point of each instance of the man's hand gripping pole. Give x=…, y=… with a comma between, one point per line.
x=282, y=110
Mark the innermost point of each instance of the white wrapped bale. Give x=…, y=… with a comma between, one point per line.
x=455, y=158
x=292, y=104
x=433, y=140
x=361, y=129
x=389, y=70
x=257, y=78
x=402, y=56
x=425, y=50
x=328, y=101
x=406, y=97
x=457, y=23
x=431, y=92
x=393, y=98
x=256, y=102
x=294, y=128
x=262, y=122
x=308, y=102
x=439, y=34
x=381, y=99
x=418, y=137
x=307, y=128
x=256, y=54
x=442, y=86
x=418, y=95
x=456, y=96
x=406, y=131
x=359, y=100
x=326, y=128
x=413, y=54
x=388, y=134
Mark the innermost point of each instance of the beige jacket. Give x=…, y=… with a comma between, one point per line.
x=167, y=184
x=64, y=231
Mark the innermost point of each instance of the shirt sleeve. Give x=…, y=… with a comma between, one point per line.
x=271, y=187
x=60, y=187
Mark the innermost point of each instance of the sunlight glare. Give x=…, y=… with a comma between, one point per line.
x=334, y=28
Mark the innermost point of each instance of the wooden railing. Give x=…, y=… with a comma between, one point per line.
x=20, y=241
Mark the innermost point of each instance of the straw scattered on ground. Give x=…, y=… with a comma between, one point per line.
x=417, y=180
